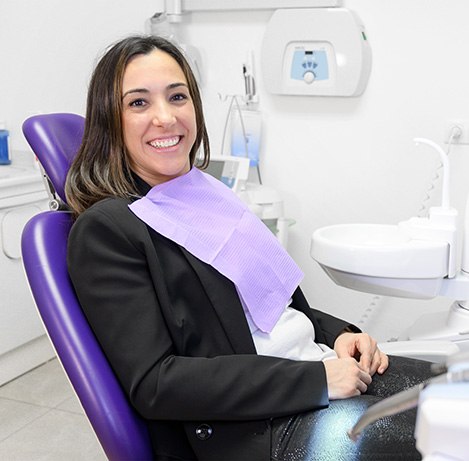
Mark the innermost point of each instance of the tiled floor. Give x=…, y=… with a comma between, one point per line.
x=41, y=419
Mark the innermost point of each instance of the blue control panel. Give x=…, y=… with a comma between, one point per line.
x=306, y=62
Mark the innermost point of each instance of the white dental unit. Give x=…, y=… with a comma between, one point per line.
x=415, y=259
x=23, y=343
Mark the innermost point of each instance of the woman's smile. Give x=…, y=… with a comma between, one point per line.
x=164, y=143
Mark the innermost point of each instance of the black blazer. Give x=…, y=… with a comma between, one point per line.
x=176, y=336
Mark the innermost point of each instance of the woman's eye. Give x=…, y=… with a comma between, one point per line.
x=137, y=103
x=179, y=97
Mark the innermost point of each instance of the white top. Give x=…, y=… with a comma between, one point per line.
x=291, y=338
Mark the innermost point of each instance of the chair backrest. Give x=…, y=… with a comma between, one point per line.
x=55, y=139
x=121, y=432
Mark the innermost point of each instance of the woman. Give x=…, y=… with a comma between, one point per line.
x=202, y=343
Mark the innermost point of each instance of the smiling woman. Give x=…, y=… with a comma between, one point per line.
x=158, y=117
x=104, y=164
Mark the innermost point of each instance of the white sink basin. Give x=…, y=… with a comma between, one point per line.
x=379, y=251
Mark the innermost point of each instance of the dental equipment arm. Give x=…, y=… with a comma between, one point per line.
x=404, y=400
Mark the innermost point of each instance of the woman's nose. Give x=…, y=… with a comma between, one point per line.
x=163, y=116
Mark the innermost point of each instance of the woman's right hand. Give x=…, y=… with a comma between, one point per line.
x=345, y=378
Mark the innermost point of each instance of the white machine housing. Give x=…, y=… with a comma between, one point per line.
x=231, y=171
x=315, y=52
x=23, y=342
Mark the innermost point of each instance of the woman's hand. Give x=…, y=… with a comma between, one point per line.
x=364, y=349
x=345, y=378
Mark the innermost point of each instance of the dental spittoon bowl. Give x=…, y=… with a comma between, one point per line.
x=376, y=258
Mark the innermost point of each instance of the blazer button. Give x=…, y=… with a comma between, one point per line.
x=203, y=432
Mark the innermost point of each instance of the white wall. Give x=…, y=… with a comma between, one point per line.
x=334, y=159
x=48, y=48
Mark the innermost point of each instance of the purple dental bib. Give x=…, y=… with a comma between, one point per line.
x=204, y=216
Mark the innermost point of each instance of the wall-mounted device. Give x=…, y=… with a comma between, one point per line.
x=315, y=52
x=232, y=171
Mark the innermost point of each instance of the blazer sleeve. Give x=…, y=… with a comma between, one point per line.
x=109, y=270
x=327, y=327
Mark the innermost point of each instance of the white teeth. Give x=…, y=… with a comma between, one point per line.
x=165, y=142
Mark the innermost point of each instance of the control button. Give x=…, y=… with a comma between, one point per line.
x=309, y=77
x=204, y=432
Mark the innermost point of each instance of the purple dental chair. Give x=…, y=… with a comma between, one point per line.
x=55, y=139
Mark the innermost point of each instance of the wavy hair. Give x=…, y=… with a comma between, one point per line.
x=101, y=167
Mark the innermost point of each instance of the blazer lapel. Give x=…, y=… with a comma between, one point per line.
x=224, y=298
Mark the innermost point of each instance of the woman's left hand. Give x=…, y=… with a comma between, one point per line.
x=364, y=349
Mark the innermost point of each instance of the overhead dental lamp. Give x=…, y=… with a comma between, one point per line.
x=413, y=259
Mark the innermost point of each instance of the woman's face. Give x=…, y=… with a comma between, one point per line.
x=158, y=117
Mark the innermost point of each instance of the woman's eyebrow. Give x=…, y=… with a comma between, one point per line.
x=146, y=90
x=135, y=90
x=176, y=85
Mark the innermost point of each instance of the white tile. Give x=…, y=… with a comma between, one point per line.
x=72, y=405
x=46, y=386
x=55, y=436
x=16, y=415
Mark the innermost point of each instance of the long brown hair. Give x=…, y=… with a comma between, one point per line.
x=101, y=167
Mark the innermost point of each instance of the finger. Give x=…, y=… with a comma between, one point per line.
x=361, y=387
x=363, y=382
x=368, y=349
x=376, y=362
x=380, y=363
x=384, y=363
x=365, y=362
x=365, y=377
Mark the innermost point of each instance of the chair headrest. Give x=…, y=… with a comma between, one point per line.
x=55, y=140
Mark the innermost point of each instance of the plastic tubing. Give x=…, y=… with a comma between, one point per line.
x=445, y=162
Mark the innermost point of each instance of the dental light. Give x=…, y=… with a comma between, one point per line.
x=413, y=259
